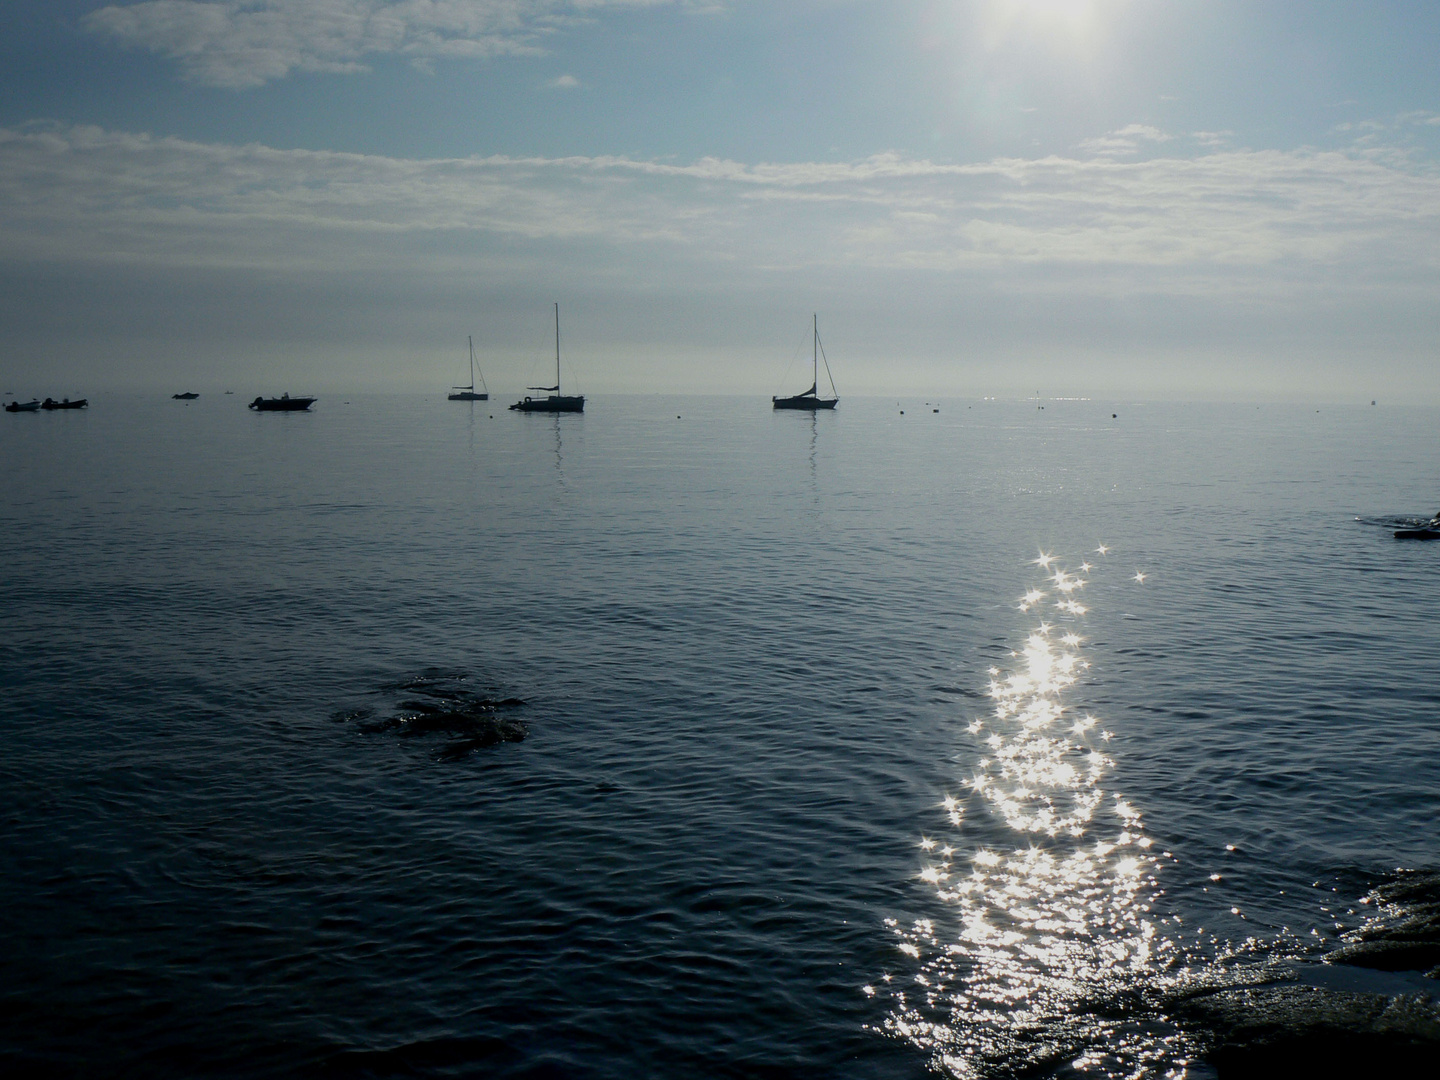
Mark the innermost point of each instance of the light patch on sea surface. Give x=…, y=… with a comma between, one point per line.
x=1048, y=950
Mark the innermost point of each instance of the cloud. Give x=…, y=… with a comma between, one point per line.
x=1123, y=142
x=1224, y=221
x=564, y=82
x=246, y=43
x=1252, y=261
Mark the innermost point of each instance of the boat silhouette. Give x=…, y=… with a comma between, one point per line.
x=811, y=399
x=555, y=401
x=467, y=393
x=284, y=403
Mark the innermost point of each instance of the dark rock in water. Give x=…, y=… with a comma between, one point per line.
x=1389, y=955
x=1404, y=932
x=445, y=707
x=1278, y=1031
x=1291, y=1030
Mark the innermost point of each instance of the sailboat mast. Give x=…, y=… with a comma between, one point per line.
x=557, y=346
x=815, y=354
x=470, y=338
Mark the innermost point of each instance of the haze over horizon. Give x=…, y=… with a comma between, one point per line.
x=1109, y=198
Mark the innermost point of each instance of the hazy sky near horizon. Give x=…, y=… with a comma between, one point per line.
x=1114, y=198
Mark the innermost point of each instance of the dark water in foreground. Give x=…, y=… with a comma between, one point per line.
x=765, y=769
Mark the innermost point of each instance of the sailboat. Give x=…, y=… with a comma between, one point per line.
x=467, y=393
x=811, y=398
x=556, y=401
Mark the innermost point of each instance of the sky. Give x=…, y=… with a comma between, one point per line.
x=1120, y=199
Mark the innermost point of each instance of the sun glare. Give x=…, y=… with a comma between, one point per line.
x=1067, y=24
x=1064, y=10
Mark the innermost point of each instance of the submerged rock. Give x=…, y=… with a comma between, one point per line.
x=446, y=707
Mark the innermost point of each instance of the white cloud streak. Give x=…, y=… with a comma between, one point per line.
x=246, y=43
x=1219, y=222
x=1125, y=141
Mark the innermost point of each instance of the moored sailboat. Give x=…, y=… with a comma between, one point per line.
x=811, y=399
x=467, y=393
x=555, y=401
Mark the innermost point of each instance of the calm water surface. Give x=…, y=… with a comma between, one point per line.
x=810, y=788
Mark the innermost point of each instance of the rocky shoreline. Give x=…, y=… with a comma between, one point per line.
x=1289, y=1028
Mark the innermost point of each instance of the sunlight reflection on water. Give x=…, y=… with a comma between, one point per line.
x=1039, y=954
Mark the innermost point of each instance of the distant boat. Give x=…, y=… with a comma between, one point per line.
x=51, y=403
x=26, y=406
x=811, y=398
x=467, y=393
x=283, y=403
x=556, y=402
x=189, y=395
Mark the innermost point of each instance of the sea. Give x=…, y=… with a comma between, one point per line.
x=920, y=738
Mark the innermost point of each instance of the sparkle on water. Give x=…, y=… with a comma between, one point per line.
x=1028, y=945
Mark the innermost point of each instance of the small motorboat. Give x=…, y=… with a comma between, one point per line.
x=24, y=406
x=189, y=395
x=283, y=403
x=79, y=403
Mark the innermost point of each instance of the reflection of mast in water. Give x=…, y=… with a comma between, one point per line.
x=559, y=455
x=1043, y=933
x=814, y=439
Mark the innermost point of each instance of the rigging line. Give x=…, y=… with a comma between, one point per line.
x=833, y=391
x=785, y=379
x=477, y=368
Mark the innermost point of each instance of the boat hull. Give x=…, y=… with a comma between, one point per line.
x=79, y=403
x=285, y=404
x=468, y=395
x=553, y=403
x=1417, y=534
x=805, y=401
x=23, y=406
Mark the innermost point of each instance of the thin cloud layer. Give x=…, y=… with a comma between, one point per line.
x=1219, y=222
x=246, y=43
x=1127, y=140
